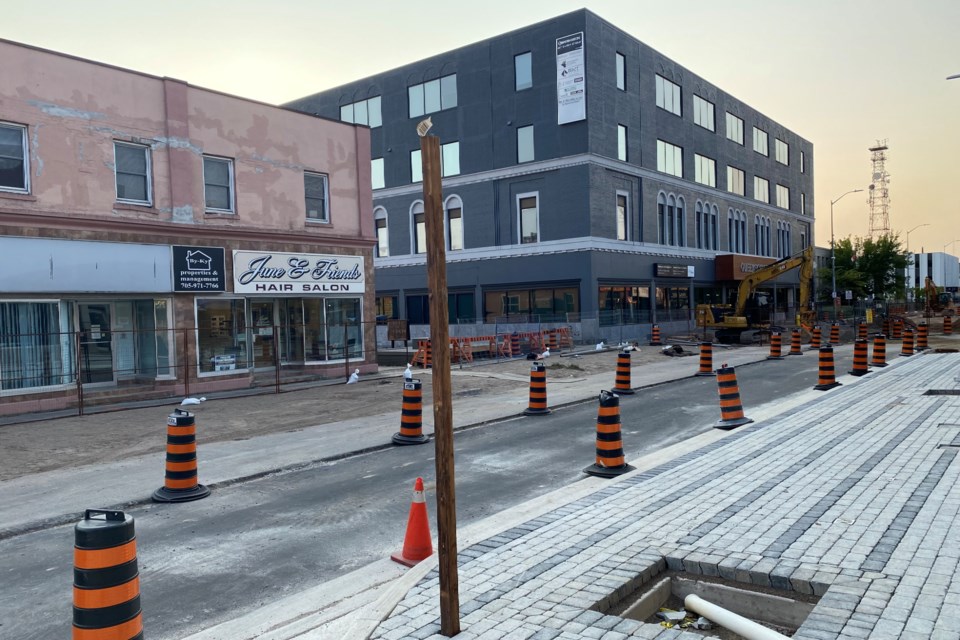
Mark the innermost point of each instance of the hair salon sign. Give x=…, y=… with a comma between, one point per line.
x=296, y=273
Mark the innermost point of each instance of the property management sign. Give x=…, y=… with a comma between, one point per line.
x=260, y=272
x=198, y=269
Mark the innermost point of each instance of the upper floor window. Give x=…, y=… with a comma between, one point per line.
x=317, y=195
x=669, y=158
x=363, y=112
x=622, y=213
x=416, y=166
x=218, y=184
x=621, y=142
x=703, y=113
x=450, y=159
x=781, y=151
x=734, y=128
x=761, y=189
x=705, y=170
x=529, y=217
x=760, y=141
x=14, y=172
x=736, y=231
x=783, y=197
x=383, y=238
x=419, y=228
x=671, y=220
x=668, y=96
x=803, y=203
x=735, y=178
x=132, y=162
x=803, y=163
x=435, y=95
x=621, y=72
x=454, y=213
x=525, y=151
x=708, y=229
x=523, y=71
x=376, y=173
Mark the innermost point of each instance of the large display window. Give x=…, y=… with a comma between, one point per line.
x=221, y=334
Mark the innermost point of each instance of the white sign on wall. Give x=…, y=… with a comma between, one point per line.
x=571, y=79
x=296, y=273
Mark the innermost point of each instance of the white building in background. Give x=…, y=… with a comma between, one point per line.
x=942, y=267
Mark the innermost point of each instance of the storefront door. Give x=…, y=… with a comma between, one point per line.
x=263, y=324
x=291, y=331
x=96, y=342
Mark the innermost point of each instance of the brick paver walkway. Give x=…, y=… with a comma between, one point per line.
x=853, y=497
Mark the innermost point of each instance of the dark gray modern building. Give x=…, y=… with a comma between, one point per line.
x=586, y=177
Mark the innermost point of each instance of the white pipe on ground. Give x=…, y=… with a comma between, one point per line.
x=730, y=620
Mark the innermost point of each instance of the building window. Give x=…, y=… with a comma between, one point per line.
x=435, y=95
x=705, y=170
x=36, y=346
x=14, y=159
x=621, y=142
x=761, y=240
x=461, y=308
x=363, y=112
x=218, y=184
x=713, y=237
x=803, y=203
x=388, y=308
x=523, y=71
x=783, y=197
x=525, y=151
x=316, y=188
x=734, y=128
x=761, y=189
x=623, y=210
x=735, y=179
x=669, y=158
x=703, y=113
x=450, y=159
x=529, y=217
x=621, y=72
x=671, y=222
x=736, y=231
x=416, y=166
x=668, y=95
x=804, y=235
x=221, y=334
x=621, y=304
x=376, y=173
x=132, y=162
x=781, y=151
x=547, y=304
x=760, y=141
x=707, y=226
x=418, y=227
x=383, y=238
x=803, y=163
x=454, y=214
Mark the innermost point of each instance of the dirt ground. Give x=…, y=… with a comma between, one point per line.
x=80, y=440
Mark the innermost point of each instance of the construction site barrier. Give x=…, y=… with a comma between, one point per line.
x=886, y=327
x=861, y=331
x=610, y=460
x=834, y=334
x=655, y=336
x=622, y=384
x=906, y=348
x=417, y=544
x=897, y=329
x=922, y=335
x=815, y=337
x=776, y=345
x=827, y=377
x=180, y=480
x=411, y=415
x=859, y=358
x=879, y=351
x=947, y=326
x=706, y=359
x=538, y=390
x=731, y=409
x=795, y=344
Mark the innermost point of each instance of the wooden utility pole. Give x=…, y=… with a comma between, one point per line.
x=442, y=404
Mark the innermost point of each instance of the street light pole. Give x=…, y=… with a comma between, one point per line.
x=833, y=250
x=925, y=224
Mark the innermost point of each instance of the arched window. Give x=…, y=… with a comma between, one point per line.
x=714, y=228
x=680, y=235
x=671, y=233
x=731, y=233
x=661, y=218
x=758, y=235
x=383, y=237
x=418, y=228
x=453, y=223
x=700, y=222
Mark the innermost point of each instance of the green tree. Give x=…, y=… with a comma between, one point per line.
x=867, y=267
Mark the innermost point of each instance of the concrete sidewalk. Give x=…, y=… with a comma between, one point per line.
x=851, y=496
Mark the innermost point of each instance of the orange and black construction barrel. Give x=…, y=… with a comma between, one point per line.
x=538, y=390
x=621, y=385
x=655, y=336
x=515, y=345
x=861, y=331
x=610, y=459
x=907, y=348
x=706, y=359
x=796, y=348
x=859, y=358
x=552, y=340
x=731, y=409
x=776, y=346
x=885, y=327
x=180, y=480
x=106, y=582
x=827, y=374
x=947, y=326
x=898, y=329
x=879, y=351
x=815, y=337
x=922, y=335
x=835, y=334
x=411, y=415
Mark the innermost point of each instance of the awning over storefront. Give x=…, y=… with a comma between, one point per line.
x=733, y=266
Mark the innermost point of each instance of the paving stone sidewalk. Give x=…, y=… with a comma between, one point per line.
x=852, y=497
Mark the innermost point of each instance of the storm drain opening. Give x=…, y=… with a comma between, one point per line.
x=661, y=602
x=942, y=392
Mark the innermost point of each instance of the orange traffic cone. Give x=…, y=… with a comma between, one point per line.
x=416, y=543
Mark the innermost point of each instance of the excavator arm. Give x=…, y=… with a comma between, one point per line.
x=749, y=284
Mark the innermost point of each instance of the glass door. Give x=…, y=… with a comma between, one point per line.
x=291, y=331
x=263, y=326
x=96, y=342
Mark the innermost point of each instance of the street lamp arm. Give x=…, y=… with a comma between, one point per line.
x=833, y=202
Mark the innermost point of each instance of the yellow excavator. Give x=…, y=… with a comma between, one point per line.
x=936, y=302
x=728, y=322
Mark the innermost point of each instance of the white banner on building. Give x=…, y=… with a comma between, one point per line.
x=296, y=273
x=571, y=79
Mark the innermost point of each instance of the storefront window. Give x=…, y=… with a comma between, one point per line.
x=221, y=334
x=673, y=303
x=624, y=305
x=344, y=330
x=531, y=305
x=461, y=308
x=387, y=309
x=36, y=344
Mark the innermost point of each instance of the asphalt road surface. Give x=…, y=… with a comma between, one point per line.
x=252, y=543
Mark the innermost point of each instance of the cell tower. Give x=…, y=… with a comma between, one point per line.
x=879, y=198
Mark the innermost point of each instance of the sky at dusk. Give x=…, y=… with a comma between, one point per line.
x=840, y=73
